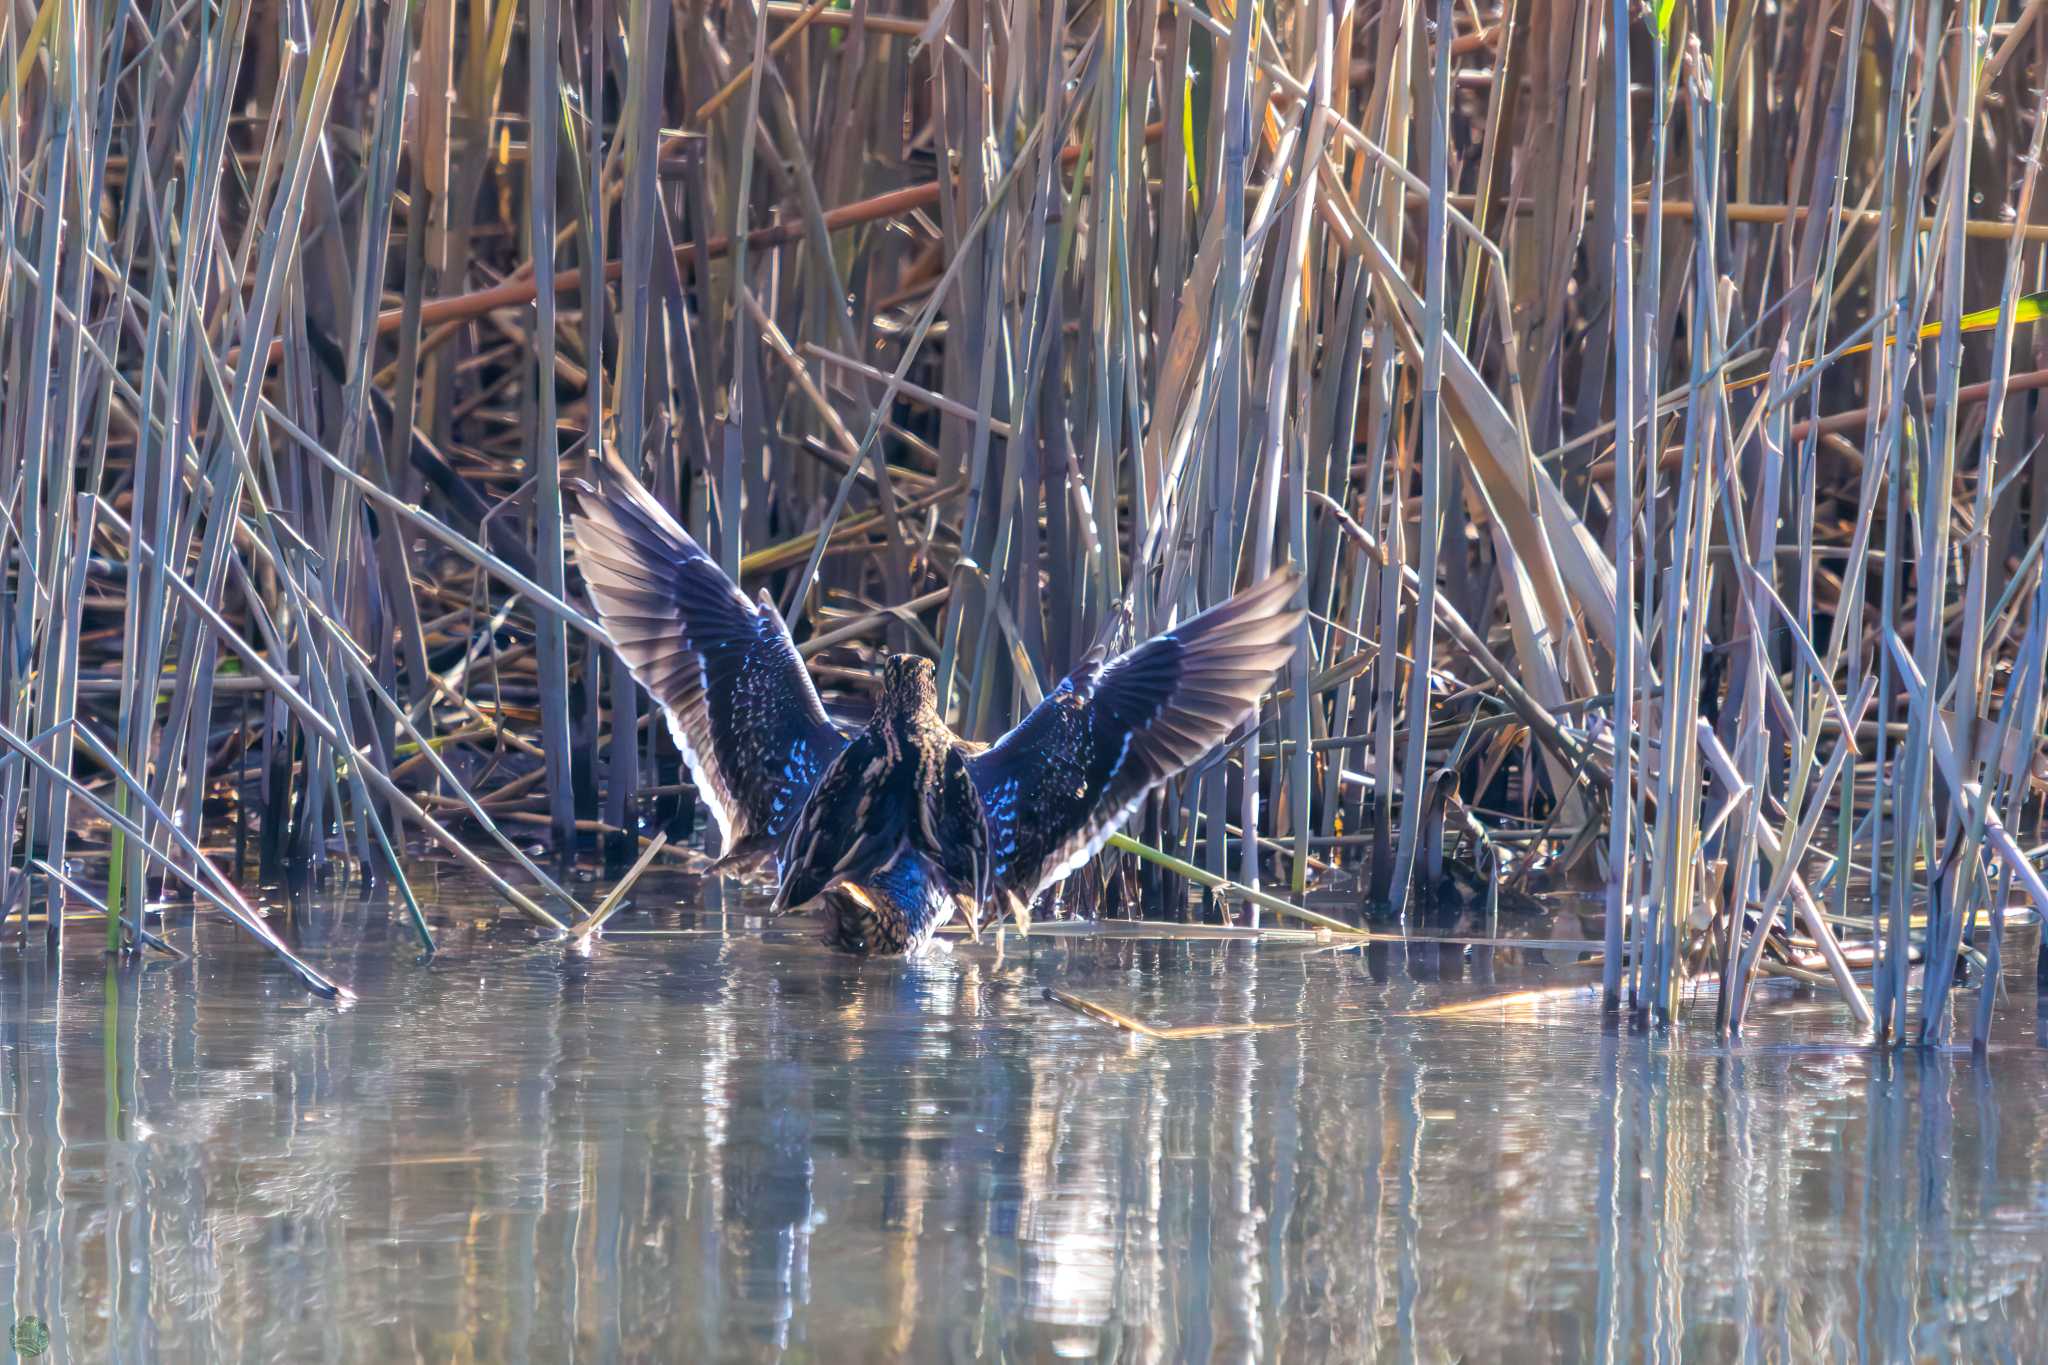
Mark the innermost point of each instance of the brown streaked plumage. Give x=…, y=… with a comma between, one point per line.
x=901, y=826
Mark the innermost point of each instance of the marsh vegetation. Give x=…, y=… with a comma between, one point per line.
x=955, y=327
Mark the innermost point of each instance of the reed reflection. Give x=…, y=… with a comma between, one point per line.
x=740, y=1147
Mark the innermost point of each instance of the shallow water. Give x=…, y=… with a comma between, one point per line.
x=725, y=1143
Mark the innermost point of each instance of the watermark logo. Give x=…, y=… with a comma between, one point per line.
x=31, y=1336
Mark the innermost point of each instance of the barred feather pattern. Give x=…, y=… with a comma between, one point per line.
x=895, y=910
x=1058, y=785
x=738, y=700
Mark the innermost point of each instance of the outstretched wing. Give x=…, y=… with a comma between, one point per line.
x=1058, y=785
x=739, y=701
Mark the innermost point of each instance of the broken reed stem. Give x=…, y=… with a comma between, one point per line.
x=617, y=897
x=1229, y=889
x=1118, y=1019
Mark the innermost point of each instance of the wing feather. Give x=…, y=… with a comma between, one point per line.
x=1058, y=785
x=736, y=695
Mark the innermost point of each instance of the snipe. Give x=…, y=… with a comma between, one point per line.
x=904, y=823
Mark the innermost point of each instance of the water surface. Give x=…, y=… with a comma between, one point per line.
x=725, y=1142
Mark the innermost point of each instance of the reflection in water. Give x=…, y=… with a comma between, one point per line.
x=739, y=1146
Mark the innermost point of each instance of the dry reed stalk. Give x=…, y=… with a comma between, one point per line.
x=966, y=327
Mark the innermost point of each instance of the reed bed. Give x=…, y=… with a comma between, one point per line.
x=956, y=327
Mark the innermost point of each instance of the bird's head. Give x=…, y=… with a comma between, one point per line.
x=910, y=684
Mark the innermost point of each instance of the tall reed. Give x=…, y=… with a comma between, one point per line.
x=961, y=327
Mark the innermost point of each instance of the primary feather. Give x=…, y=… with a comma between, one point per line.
x=737, y=696
x=1057, y=786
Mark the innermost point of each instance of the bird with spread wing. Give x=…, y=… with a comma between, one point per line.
x=902, y=824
